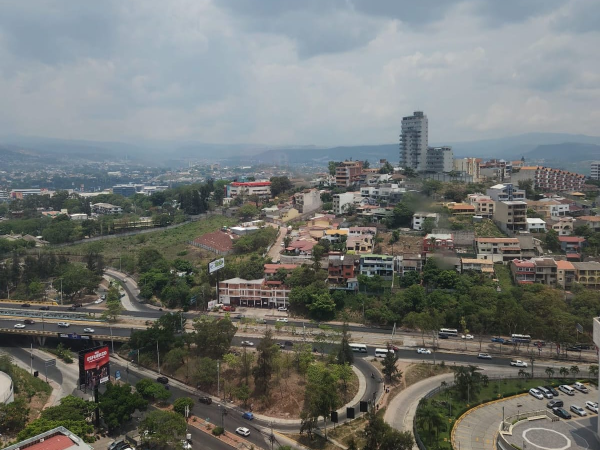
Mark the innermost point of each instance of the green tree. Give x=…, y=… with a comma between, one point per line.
x=428, y=417
x=552, y=241
x=574, y=370
x=266, y=351
x=213, y=337
x=549, y=372
x=563, y=371
x=118, y=403
x=13, y=416
x=280, y=185
x=321, y=393
x=390, y=370
x=162, y=429
x=331, y=166
x=247, y=211
x=206, y=372
x=345, y=355
x=180, y=404
x=175, y=358
x=242, y=393
x=380, y=436
x=152, y=390
x=467, y=382
x=593, y=370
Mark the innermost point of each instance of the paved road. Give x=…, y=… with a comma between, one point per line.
x=75, y=327
x=274, y=251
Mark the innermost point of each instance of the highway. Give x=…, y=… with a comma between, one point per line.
x=44, y=325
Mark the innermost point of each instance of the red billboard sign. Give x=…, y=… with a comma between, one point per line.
x=93, y=360
x=94, y=367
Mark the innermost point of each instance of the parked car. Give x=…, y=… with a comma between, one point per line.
x=424, y=351
x=592, y=406
x=553, y=390
x=228, y=308
x=535, y=393
x=242, y=431
x=44, y=308
x=518, y=363
x=567, y=389
x=578, y=410
x=162, y=380
x=498, y=339
x=63, y=324
x=25, y=305
x=581, y=387
x=289, y=343
x=205, y=399
x=29, y=321
x=88, y=330
x=248, y=416
x=545, y=392
x=555, y=404
x=247, y=344
x=281, y=345
x=561, y=412
x=484, y=356
x=19, y=325
x=467, y=336
x=282, y=319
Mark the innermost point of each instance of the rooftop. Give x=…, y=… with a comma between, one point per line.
x=497, y=240
x=564, y=265
x=58, y=438
x=217, y=240
x=571, y=239
x=586, y=265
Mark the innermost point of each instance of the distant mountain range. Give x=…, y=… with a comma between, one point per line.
x=548, y=148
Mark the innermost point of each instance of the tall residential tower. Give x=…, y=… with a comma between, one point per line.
x=414, y=142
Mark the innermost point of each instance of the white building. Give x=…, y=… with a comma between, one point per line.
x=468, y=166
x=260, y=188
x=439, y=159
x=391, y=193
x=595, y=170
x=498, y=249
x=106, y=208
x=419, y=219
x=307, y=201
x=414, y=141
x=341, y=202
x=505, y=193
x=78, y=216
x=535, y=225
x=564, y=226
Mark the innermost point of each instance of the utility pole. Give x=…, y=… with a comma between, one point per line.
x=113, y=341
x=272, y=436
x=157, y=356
x=31, y=360
x=218, y=379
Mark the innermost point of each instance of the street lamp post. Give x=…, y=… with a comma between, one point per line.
x=113, y=341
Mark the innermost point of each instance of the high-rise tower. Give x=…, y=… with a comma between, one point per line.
x=414, y=142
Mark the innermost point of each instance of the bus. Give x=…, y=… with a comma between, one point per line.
x=361, y=348
x=521, y=338
x=382, y=352
x=449, y=331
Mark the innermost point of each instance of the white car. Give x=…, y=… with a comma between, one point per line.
x=484, y=356
x=19, y=325
x=63, y=324
x=578, y=410
x=581, y=387
x=518, y=363
x=282, y=308
x=468, y=337
x=282, y=319
x=243, y=431
x=97, y=302
x=247, y=344
x=537, y=394
x=424, y=351
x=88, y=330
x=592, y=406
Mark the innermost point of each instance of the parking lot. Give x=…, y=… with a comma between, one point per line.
x=478, y=428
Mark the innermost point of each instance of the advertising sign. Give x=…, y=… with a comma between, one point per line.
x=94, y=366
x=215, y=265
x=212, y=304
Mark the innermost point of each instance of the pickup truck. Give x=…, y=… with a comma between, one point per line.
x=518, y=363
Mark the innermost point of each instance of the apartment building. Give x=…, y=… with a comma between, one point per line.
x=595, y=170
x=484, y=205
x=592, y=222
x=535, y=225
x=587, y=274
x=523, y=272
x=497, y=169
x=382, y=265
x=106, y=208
x=387, y=192
x=419, y=218
x=438, y=241
x=484, y=266
x=256, y=293
x=307, y=200
x=468, y=166
x=245, y=189
x=549, y=179
x=548, y=208
x=564, y=226
x=439, y=160
x=565, y=274
x=348, y=173
x=341, y=202
x=498, y=249
x=511, y=215
x=505, y=192
x=414, y=141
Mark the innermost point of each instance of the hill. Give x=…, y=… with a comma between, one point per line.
x=571, y=151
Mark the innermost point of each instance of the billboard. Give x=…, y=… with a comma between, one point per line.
x=94, y=366
x=215, y=265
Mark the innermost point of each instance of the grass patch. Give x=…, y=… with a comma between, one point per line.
x=487, y=228
x=316, y=443
x=503, y=276
x=418, y=372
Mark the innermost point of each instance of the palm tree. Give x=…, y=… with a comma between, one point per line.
x=593, y=371
x=485, y=380
x=522, y=373
x=563, y=371
x=574, y=370
x=549, y=372
x=429, y=418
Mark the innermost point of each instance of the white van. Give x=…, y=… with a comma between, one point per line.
x=382, y=352
x=567, y=389
x=545, y=392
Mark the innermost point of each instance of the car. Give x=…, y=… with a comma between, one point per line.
x=581, y=387
x=205, y=399
x=424, y=351
x=443, y=336
x=162, y=380
x=535, y=393
x=282, y=308
x=561, y=412
x=88, y=330
x=467, y=337
x=282, y=319
x=44, y=308
x=19, y=325
x=555, y=404
x=63, y=324
x=393, y=347
x=247, y=344
x=118, y=445
x=242, y=431
x=281, y=345
x=77, y=305
x=71, y=308
x=553, y=390
x=289, y=343
x=545, y=392
x=567, y=389
x=592, y=406
x=97, y=302
x=578, y=410
x=539, y=343
x=29, y=321
x=484, y=356
x=25, y=305
x=518, y=363
x=228, y=308
x=498, y=339
x=248, y=416
x=103, y=297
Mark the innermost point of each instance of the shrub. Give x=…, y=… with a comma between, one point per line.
x=218, y=431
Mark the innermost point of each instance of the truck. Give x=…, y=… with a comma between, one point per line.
x=518, y=363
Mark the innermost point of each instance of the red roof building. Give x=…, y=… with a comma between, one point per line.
x=218, y=242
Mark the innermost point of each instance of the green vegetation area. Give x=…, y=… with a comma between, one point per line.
x=437, y=415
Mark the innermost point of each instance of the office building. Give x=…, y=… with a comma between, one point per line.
x=260, y=188
x=126, y=190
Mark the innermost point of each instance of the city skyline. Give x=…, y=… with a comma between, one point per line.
x=277, y=73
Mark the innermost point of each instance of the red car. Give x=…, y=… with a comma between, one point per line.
x=228, y=308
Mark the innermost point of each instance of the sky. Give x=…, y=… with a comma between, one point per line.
x=287, y=72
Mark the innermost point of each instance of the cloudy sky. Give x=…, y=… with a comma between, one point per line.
x=326, y=72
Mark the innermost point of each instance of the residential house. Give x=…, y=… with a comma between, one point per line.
x=505, y=192
x=587, y=274
x=484, y=205
x=535, y=225
x=272, y=269
x=336, y=236
x=592, y=222
x=511, y=215
x=498, y=249
x=523, y=272
x=564, y=226
x=348, y=173
x=546, y=271
x=374, y=214
x=484, y=266
x=341, y=268
x=360, y=244
x=461, y=209
x=419, y=219
x=438, y=241
x=106, y=208
x=382, y=265
x=572, y=245
x=565, y=274
x=548, y=208
x=218, y=242
x=388, y=193
x=410, y=262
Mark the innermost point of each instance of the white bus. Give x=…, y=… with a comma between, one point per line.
x=521, y=338
x=449, y=331
x=361, y=348
x=382, y=352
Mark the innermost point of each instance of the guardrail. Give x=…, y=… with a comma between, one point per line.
x=9, y=312
x=98, y=337
x=31, y=302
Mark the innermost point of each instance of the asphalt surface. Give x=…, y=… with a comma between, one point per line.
x=75, y=327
